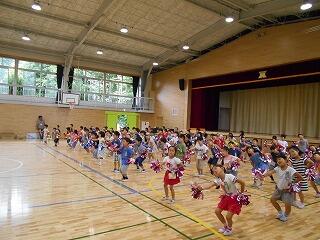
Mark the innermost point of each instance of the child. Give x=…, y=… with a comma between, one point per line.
x=141, y=151
x=200, y=150
x=170, y=178
x=56, y=136
x=228, y=160
x=285, y=175
x=116, y=142
x=45, y=134
x=102, y=146
x=95, y=139
x=298, y=163
x=258, y=164
x=316, y=165
x=126, y=153
x=228, y=200
x=181, y=147
x=214, y=153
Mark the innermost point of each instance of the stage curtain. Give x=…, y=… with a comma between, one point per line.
x=288, y=109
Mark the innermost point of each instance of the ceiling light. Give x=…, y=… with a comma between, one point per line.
x=124, y=30
x=36, y=6
x=155, y=64
x=305, y=6
x=26, y=37
x=229, y=19
x=99, y=51
x=185, y=47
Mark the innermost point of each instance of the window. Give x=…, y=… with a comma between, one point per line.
x=7, y=66
x=100, y=86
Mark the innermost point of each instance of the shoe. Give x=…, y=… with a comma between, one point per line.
x=125, y=179
x=227, y=232
x=317, y=195
x=172, y=201
x=143, y=171
x=283, y=218
x=279, y=215
x=165, y=198
x=222, y=230
x=298, y=204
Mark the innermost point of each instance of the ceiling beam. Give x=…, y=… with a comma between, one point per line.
x=72, y=40
x=8, y=46
x=246, y=7
x=268, y=8
x=83, y=24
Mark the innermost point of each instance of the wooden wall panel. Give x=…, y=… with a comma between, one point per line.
x=265, y=47
x=21, y=119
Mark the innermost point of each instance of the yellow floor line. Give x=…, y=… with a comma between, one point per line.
x=187, y=213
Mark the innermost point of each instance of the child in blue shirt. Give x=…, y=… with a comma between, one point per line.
x=126, y=153
x=259, y=164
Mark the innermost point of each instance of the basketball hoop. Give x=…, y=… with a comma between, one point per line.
x=71, y=105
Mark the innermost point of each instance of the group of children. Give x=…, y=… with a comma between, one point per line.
x=223, y=156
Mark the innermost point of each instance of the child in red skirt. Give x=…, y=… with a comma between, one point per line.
x=172, y=163
x=228, y=200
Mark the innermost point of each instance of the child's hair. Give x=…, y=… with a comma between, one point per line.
x=295, y=148
x=102, y=134
x=95, y=134
x=255, y=139
x=300, y=134
x=281, y=155
x=283, y=135
x=272, y=147
x=116, y=133
x=182, y=136
x=230, y=135
x=217, y=165
x=199, y=139
x=127, y=139
x=139, y=139
x=75, y=131
x=274, y=137
x=46, y=125
x=226, y=149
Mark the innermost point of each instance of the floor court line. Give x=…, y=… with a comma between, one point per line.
x=189, y=214
x=121, y=197
x=37, y=175
x=122, y=228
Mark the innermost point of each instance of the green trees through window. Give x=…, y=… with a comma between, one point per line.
x=28, y=78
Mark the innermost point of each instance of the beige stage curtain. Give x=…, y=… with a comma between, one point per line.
x=275, y=110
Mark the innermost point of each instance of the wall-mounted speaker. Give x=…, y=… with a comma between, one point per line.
x=181, y=84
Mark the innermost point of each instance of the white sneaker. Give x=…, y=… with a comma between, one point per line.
x=165, y=198
x=298, y=204
x=279, y=215
x=227, y=232
x=172, y=201
x=283, y=218
x=317, y=195
x=222, y=230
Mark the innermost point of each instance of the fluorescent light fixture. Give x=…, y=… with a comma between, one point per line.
x=99, y=51
x=185, y=47
x=124, y=30
x=36, y=6
x=155, y=64
x=229, y=19
x=305, y=6
x=26, y=37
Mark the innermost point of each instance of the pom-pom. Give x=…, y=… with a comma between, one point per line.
x=180, y=172
x=131, y=160
x=243, y=199
x=205, y=157
x=155, y=166
x=196, y=191
x=257, y=173
x=234, y=165
x=311, y=173
x=295, y=187
x=144, y=154
x=113, y=148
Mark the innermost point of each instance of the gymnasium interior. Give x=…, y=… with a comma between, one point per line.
x=214, y=66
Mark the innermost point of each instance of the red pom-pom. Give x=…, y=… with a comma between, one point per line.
x=205, y=157
x=295, y=187
x=311, y=173
x=180, y=172
x=257, y=173
x=131, y=161
x=242, y=198
x=155, y=166
x=196, y=191
x=235, y=165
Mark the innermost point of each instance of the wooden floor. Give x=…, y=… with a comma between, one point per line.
x=59, y=193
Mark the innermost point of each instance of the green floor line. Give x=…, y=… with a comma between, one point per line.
x=122, y=228
x=126, y=200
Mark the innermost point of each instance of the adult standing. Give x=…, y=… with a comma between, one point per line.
x=40, y=126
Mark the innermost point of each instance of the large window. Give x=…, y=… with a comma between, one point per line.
x=27, y=78
x=102, y=87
